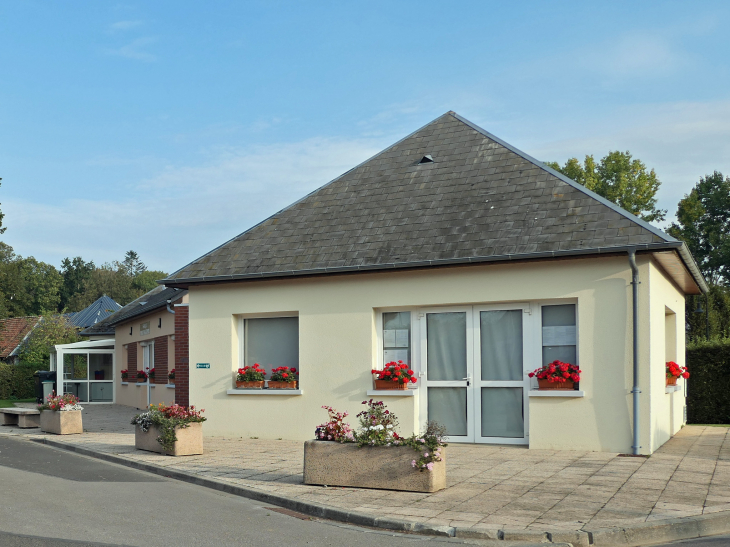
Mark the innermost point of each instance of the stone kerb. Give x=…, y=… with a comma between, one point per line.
x=189, y=440
x=389, y=468
x=61, y=422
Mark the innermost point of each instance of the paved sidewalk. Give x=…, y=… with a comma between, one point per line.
x=489, y=487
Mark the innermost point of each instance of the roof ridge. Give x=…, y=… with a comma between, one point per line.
x=653, y=229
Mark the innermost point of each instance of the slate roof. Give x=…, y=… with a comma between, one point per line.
x=97, y=311
x=150, y=301
x=13, y=331
x=479, y=200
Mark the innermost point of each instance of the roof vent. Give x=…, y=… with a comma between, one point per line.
x=426, y=159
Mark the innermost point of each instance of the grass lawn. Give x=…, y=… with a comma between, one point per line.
x=8, y=403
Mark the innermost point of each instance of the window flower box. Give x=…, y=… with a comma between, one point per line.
x=393, y=376
x=283, y=378
x=250, y=385
x=282, y=385
x=385, y=467
x=556, y=376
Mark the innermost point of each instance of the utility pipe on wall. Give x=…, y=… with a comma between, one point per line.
x=635, y=289
x=169, y=308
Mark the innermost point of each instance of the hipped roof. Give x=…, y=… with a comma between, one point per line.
x=473, y=199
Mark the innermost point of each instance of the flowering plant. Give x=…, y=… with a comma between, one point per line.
x=395, y=372
x=65, y=402
x=557, y=371
x=251, y=374
x=166, y=419
x=171, y=375
x=284, y=374
x=377, y=425
x=142, y=374
x=336, y=429
x=152, y=373
x=428, y=444
x=125, y=374
x=673, y=370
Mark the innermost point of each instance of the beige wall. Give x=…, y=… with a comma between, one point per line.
x=338, y=341
x=133, y=394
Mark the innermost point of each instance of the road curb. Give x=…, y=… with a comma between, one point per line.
x=647, y=533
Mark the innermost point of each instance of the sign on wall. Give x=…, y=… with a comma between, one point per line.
x=202, y=365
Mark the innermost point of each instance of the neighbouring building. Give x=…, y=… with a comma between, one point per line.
x=13, y=332
x=465, y=258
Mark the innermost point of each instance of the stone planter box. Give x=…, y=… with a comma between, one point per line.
x=61, y=422
x=388, y=468
x=189, y=440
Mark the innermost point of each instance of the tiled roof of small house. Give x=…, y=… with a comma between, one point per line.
x=13, y=331
x=148, y=302
x=449, y=193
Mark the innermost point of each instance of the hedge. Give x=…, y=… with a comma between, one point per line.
x=708, y=393
x=16, y=381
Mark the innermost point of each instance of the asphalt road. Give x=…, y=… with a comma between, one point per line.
x=50, y=497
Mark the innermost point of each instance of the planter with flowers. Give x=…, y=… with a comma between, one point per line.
x=61, y=414
x=394, y=376
x=125, y=375
x=151, y=375
x=141, y=376
x=173, y=430
x=251, y=377
x=375, y=455
x=673, y=372
x=171, y=376
x=283, y=378
x=557, y=375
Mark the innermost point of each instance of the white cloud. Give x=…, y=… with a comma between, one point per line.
x=124, y=25
x=135, y=50
x=184, y=211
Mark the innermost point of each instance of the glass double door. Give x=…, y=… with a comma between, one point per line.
x=473, y=364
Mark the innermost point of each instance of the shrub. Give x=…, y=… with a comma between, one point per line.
x=16, y=381
x=708, y=392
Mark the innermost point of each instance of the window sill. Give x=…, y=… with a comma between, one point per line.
x=556, y=393
x=125, y=383
x=171, y=386
x=672, y=389
x=140, y=384
x=243, y=391
x=391, y=392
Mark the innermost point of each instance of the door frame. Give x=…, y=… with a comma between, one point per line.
x=423, y=367
x=527, y=357
x=474, y=384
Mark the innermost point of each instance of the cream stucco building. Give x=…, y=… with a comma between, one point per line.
x=472, y=262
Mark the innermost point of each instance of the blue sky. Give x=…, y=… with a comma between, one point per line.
x=170, y=127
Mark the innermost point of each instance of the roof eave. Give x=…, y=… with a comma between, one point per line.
x=646, y=247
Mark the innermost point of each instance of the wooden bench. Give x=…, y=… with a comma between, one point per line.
x=22, y=417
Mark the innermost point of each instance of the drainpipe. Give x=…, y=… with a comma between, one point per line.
x=635, y=289
x=169, y=308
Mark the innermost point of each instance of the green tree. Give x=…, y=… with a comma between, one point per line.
x=52, y=329
x=109, y=279
x=132, y=264
x=75, y=272
x=147, y=280
x=703, y=222
x=30, y=287
x=620, y=179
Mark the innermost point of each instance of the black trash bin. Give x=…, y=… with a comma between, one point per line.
x=40, y=376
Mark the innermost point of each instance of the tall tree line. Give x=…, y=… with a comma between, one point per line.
x=703, y=222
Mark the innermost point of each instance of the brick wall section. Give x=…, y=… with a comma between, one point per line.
x=161, y=360
x=182, y=351
x=132, y=361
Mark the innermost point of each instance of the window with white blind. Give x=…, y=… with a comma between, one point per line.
x=271, y=342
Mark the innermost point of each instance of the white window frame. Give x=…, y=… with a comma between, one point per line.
x=242, y=332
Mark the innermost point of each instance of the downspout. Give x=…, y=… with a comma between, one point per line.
x=169, y=308
x=635, y=289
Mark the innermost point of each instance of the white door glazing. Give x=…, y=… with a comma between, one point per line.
x=473, y=372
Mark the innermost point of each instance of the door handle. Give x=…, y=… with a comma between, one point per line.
x=468, y=381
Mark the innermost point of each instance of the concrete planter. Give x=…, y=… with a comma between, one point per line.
x=388, y=468
x=65, y=422
x=189, y=440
